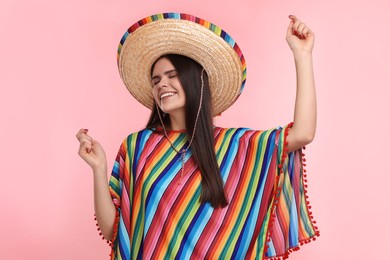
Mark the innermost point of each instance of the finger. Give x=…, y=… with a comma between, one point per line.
x=295, y=26
x=290, y=29
x=83, y=137
x=85, y=146
x=300, y=28
x=305, y=31
x=86, y=142
x=95, y=143
x=81, y=131
x=89, y=148
x=292, y=17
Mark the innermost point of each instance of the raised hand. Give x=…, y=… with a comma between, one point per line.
x=91, y=151
x=299, y=36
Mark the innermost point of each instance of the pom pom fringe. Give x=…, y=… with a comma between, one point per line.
x=275, y=203
x=115, y=232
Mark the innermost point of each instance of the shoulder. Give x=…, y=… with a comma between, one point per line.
x=243, y=134
x=142, y=132
x=244, y=131
x=139, y=136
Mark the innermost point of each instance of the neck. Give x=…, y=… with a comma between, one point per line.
x=178, y=121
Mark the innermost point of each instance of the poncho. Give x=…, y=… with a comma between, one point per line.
x=160, y=216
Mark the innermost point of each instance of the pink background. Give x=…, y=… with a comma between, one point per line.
x=58, y=74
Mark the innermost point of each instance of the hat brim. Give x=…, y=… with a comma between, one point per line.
x=173, y=33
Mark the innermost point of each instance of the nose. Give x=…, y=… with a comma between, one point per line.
x=162, y=84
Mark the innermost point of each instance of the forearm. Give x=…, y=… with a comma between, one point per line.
x=104, y=206
x=305, y=113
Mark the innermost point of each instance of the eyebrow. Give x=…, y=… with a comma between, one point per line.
x=165, y=73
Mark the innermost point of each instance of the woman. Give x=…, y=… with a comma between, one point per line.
x=182, y=188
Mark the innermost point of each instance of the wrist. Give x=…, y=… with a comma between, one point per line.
x=302, y=54
x=100, y=171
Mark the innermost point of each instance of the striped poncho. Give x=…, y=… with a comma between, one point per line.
x=160, y=216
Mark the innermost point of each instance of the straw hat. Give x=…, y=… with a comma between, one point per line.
x=175, y=33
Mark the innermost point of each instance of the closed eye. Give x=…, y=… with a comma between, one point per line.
x=172, y=74
x=155, y=80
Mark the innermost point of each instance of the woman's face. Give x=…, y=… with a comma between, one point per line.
x=167, y=89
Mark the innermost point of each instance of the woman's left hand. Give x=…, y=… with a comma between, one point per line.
x=299, y=37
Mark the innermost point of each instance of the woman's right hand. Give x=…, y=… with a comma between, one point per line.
x=92, y=152
x=299, y=36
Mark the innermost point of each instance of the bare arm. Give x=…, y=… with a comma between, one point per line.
x=104, y=207
x=301, y=41
x=92, y=152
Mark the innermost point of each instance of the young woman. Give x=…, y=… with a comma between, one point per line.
x=183, y=188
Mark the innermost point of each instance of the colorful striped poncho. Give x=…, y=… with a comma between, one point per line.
x=159, y=217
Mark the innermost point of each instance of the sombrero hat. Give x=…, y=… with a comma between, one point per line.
x=175, y=33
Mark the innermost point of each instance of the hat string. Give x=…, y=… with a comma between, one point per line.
x=184, y=150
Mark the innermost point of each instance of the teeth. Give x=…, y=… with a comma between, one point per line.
x=166, y=95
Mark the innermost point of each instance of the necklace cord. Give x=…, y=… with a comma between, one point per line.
x=183, y=151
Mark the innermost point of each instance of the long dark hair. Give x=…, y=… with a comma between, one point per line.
x=189, y=74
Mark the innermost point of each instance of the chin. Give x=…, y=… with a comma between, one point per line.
x=170, y=108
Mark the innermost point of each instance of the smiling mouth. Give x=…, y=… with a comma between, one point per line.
x=168, y=94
